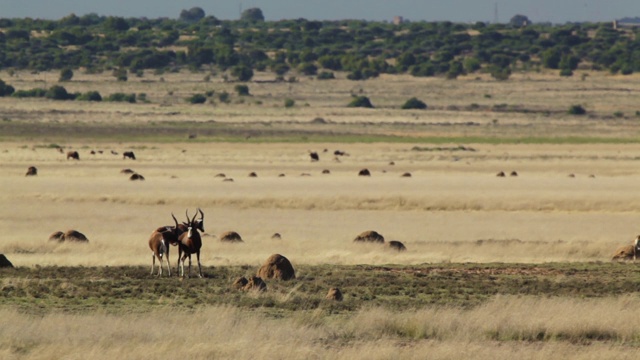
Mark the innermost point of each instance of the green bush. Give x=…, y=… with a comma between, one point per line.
x=121, y=97
x=57, y=92
x=577, y=110
x=65, y=75
x=242, y=90
x=197, y=99
x=360, y=101
x=326, y=75
x=223, y=97
x=414, y=103
x=566, y=72
x=289, y=103
x=36, y=92
x=90, y=96
x=6, y=89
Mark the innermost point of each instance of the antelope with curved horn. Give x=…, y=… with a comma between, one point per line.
x=190, y=243
x=159, y=244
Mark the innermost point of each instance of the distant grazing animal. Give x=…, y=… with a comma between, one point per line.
x=513, y=173
x=93, y=152
x=32, y=171
x=114, y=152
x=189, y=243
x=159, y=242
x=364, y=172
x=73, y=155
x=340, y=153
x=500, y=174
x=392, y=163
x=253, y=174
x=314, y=156
x=128, y=154
x=326, y=171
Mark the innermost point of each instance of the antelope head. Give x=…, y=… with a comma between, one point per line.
x=200, y=222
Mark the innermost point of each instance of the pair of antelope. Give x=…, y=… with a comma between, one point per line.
x=185, y=236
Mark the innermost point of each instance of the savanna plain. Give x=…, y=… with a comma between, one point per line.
x=495, y=267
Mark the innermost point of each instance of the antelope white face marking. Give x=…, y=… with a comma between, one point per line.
x=190, y=232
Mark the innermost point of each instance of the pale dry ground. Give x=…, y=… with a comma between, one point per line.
x=600, y=93
x=503, y=328
x=453, y=208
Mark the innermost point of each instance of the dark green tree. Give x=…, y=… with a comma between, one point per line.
x=360, y=101
x=414, y=103
x=252, y=15
x=242, y=73
x=192, y=15
x=66, y=74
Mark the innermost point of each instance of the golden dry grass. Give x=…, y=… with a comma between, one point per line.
x=452, y=209
x=504, y=328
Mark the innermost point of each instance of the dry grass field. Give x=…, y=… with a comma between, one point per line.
x=452, y=210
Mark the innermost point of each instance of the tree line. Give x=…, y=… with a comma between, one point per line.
x=362, y=49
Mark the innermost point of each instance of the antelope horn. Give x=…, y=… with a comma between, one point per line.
x=186, y=212
x=174, y=219
x=194, y=217
x=201, y=214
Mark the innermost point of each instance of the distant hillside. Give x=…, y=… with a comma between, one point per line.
x=630, y=20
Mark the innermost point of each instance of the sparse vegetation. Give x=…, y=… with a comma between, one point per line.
x=360, y=101
x=577, y=110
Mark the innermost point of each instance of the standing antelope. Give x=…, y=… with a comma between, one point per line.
x=190, y=243
x=159, y=244
x=636, y=247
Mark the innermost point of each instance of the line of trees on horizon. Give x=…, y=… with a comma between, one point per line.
x=362, y=49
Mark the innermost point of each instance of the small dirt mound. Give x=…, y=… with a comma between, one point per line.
x=276, y=236
x=230, y=236
x=136, y=176
x=240, y=283
x=57, y=236
x=364, y=172
x=253, y=174
x=32, y=171
x=220, y=175
x=500, y=174
x=127, y=171
x=369, y=236
x=277, y=267
x=334, y=294
x=228, y=180
x=255, y=283
x=396, y=245
x=623, y=253
x=326, y=171
x=74, y=235
x=407, y=174
x=4, y=262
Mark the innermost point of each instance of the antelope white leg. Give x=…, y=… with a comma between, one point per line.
x=199, y=266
